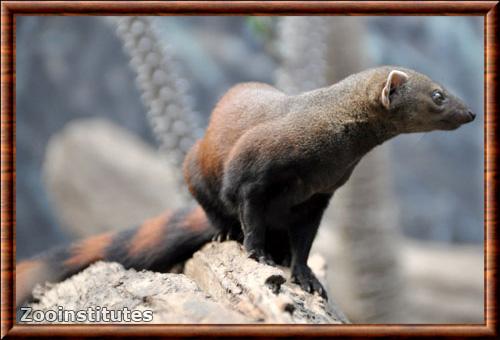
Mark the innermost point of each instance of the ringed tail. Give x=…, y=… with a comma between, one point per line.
x=158, y=244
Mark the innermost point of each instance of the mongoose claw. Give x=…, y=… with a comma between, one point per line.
x=226, y=235
x=304, y=277
x=261, y=257
x=266, y=260
x=219, y=237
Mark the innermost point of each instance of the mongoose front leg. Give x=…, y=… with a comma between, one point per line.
x=307, y=217
x=301, y=240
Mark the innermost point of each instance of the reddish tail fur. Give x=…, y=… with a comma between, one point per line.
x=158, y=244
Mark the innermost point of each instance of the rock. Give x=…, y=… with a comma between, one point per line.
x=101, y=177
x=257, y=290
x=220, y=285
x=171, y=298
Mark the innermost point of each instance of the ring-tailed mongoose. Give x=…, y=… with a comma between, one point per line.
x=265, y=171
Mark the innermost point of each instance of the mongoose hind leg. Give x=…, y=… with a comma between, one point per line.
x=206, y=192
x=253, y=223
x=228, y=227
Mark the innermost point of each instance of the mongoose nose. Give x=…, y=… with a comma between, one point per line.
x=472, y=115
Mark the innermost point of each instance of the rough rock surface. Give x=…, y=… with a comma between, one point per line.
x=220, y=285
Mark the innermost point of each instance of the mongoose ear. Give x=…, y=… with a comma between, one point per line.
x=394, y=80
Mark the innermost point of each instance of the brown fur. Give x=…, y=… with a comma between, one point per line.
x=89, y=250
x=28, y=273
x=158, y=244
x=266, y=170
x=196, y=220
x=230, y=119
x=149, y=234
x=271, y=162
x=255, y=122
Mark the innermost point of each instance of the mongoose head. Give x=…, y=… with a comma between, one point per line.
x=416, y=103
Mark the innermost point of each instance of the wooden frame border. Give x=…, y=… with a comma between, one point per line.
x=9, y=10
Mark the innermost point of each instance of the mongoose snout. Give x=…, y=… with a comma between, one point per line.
x=458, y=118
x=472, y=115
x=466, y=116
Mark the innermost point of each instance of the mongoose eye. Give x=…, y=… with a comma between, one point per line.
x=438, y=97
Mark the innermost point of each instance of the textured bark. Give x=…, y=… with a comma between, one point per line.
x=260, y=291
x=173, y=298
x=221, y=285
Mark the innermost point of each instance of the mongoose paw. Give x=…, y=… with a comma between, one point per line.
x=218, y=237
x=225, y=235
x=286, y=262
x=266, y=260
x=261, y=257
x=304, y=277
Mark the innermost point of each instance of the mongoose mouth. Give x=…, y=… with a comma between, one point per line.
x=458, y=118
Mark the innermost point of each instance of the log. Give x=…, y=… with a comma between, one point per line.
x=257, y=290
x=172, y=298
x=220, y=285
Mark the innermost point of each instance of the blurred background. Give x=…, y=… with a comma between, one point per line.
x=107, y=107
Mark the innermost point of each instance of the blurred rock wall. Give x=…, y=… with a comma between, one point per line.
x=438, y=175
x=66, y=68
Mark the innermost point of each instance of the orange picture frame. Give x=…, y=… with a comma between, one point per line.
x=11, y=9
